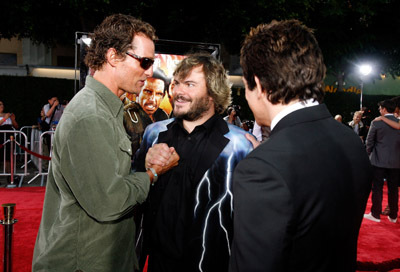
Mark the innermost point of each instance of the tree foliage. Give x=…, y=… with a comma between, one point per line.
x=348, y=31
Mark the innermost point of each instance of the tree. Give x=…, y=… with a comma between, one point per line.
x=348, y=31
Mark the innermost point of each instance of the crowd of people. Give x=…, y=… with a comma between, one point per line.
x=193, y=191
x=381, y=138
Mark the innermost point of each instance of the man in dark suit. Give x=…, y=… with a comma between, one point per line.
x=299, y=197
x=383, y=145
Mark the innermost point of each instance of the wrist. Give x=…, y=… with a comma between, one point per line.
x=152, y=174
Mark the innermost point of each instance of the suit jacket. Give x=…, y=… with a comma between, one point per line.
x=300, y=197
x=211, y=206
x=383, y=144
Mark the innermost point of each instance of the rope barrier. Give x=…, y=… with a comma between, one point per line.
x=3, y=144
x=33, y=153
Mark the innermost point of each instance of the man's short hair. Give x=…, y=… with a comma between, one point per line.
x=388, y=104
x=218, y=86
x=396, y=101
x=116, y=31
x=286, y=58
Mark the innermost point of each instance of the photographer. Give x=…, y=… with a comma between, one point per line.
x=52, y=112
x=233, y=116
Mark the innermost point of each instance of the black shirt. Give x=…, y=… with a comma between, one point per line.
x=171, y=201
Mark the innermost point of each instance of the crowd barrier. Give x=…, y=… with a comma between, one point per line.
x=15, y=147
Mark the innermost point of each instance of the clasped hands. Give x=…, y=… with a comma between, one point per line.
x=161, y=158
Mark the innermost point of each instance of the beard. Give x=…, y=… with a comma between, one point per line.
x=195, y=112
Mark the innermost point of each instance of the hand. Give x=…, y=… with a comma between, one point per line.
x=158, y=154
x=171, y=163
x=55, y=104
x=253, y=140
x=379, y=118
x=12, y=116
x=7, y=115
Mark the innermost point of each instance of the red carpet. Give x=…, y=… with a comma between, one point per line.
x=378, y=250
x=29, y=203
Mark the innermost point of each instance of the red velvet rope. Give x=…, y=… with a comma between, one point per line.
x=33, y=153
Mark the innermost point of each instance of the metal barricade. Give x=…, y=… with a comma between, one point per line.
x=8, y=143
x=37, y=147
x=27, y=130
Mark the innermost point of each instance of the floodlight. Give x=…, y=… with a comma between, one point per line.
x=365, y=69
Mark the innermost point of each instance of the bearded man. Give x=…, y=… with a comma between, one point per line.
x=188, y=217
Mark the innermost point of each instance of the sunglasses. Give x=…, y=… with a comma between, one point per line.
x=145, y=63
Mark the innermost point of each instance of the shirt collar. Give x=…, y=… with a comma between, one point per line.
x=297, y=106
x=207, y=125
x=110, y=99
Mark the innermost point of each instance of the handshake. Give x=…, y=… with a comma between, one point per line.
x=160, y=158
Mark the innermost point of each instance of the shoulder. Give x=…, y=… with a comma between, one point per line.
x=237, y=136
x=155, y=128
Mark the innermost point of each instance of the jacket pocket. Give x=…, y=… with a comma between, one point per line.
x=126, y=146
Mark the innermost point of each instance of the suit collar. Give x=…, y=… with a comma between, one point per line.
x=303, y=115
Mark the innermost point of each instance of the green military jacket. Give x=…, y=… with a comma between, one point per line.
x=87, y=222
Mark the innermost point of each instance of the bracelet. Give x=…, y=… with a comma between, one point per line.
x=155, y=178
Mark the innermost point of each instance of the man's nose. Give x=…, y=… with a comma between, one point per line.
x=149, y=72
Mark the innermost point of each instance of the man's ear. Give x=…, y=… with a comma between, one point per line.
x=261, y=92
x=112, y=57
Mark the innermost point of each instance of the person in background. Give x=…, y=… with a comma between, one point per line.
x=293, y=193
x=7, y=119
x=261, y=132
x=52, y=113
x=7, y=122
x=357, y=125
x=87, y=222
x=188, y=219
x=383, y=146
x=339, y=118
x=393, y=123
x=233, y=116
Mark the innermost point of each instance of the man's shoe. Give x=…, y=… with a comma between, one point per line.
x=369, y=216
x=392, y=220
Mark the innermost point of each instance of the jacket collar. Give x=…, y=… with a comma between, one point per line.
x=114, y=104
x=308, y=114
x=215, y=144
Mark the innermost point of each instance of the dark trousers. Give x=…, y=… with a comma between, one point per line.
x=392, y=178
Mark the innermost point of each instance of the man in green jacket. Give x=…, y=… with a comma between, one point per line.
x=87, y=222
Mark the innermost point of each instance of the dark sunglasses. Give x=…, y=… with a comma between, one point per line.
x=145, y=63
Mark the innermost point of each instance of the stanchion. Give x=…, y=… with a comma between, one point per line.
x=12, y=142
x=8, y=222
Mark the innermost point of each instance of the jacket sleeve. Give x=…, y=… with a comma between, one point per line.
x=95, y=163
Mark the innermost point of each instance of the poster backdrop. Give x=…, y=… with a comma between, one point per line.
x=164, y=64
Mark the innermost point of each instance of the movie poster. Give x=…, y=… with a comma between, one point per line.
x=163, y=68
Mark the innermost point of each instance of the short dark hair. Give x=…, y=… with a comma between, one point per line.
x=388, y=104
x=116, y=31
x=396, y=101
x=287, y=60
